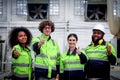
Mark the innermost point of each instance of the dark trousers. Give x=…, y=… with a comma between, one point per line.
x=18, y=78
x=42, y=78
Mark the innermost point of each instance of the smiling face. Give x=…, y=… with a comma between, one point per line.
x=97, y=35
x=22, y=37
x=72, y=42
x=47, y=30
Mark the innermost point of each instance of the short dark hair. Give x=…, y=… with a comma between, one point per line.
x=45, y=23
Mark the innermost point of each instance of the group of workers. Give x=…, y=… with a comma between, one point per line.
x=91, y=63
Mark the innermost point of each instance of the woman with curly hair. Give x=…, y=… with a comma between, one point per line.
x=19, y=40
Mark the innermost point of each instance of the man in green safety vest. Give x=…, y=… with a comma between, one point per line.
x=46, y=53
x=101, y=55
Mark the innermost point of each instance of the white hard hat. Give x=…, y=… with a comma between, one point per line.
x=99, y=27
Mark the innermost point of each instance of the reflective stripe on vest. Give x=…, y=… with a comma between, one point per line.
x=102, y=52
x=44, y=67
x=100, y=58
x=72, y=69
x=76, y=62
x=20, y=75
x=44, y=56
x=21, y=65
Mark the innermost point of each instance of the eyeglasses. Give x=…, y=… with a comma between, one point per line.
x=47, y=28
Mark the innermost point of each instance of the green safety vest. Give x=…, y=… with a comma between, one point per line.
x=70, y=62
x=22, y=66
x=49, y=54
x=99, y=52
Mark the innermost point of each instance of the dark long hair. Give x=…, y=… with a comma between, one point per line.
x=14, y=33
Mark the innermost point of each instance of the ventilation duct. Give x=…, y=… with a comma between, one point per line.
x=37, y=9
x=96, y=10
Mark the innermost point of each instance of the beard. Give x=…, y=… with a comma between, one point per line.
x=95, y=40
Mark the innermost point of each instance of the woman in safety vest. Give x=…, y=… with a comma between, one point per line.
x=47, y=53
x=19, y=40
x=72, y=61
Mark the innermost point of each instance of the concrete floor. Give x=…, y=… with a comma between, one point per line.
x=115, y=71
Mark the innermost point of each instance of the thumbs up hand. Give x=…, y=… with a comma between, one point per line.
x=78, y=51
x=15, y=53
x=108, y=49
x=41, y=42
